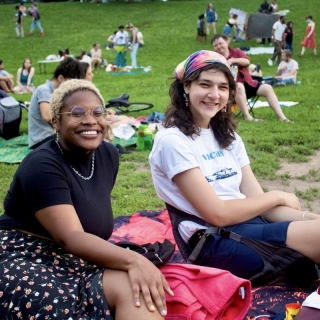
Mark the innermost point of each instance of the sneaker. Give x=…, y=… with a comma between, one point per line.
x=42, y=33
x=29, y=33
x=270, y=62
x=258, y=67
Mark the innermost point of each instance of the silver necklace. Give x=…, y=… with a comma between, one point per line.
x=78, y=173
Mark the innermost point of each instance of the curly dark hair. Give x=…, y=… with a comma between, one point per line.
x=179, y=115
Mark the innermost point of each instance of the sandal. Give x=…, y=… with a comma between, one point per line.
x=255, y=120
x=300, y=55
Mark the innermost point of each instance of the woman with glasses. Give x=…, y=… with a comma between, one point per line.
x=55, y=256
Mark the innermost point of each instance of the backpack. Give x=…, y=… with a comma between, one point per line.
x=10, y=117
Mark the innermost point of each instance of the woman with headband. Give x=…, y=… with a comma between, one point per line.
x=200, y=166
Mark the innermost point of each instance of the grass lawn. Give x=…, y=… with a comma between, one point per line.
x=169, y=30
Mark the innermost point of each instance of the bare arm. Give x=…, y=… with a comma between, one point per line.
x=250, y=187
x=311, y=30
x=223, y=213
x=62, y=222
x=45, y=111
x=243, y=62
x=18, y=77
x=134, y=36
x=30, y=76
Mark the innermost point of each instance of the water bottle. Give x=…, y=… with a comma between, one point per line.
x=234, y=71
x=148, y=139
x=141, y=138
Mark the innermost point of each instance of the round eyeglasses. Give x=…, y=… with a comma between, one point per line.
x=79, y=114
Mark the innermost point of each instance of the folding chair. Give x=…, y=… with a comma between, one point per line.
x=252, y=101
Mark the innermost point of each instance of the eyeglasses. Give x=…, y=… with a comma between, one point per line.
x=79, y=114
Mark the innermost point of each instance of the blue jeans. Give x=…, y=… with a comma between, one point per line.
x=286, y=81
x=36, y=23
x=289, y=46
x=133, y=55
x=242, y=261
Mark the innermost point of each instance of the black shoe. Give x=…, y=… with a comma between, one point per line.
x=121, y=149
x=258, y=67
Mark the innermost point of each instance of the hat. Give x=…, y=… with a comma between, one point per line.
x=198, y=60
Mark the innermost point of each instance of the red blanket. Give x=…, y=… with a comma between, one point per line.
x=150, y=226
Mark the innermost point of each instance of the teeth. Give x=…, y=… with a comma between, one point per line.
x=89, y=132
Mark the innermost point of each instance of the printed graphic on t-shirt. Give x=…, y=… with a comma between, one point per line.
x=221, y=174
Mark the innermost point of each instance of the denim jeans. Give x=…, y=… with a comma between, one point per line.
x=286, y=81
x=133, y=55
x=36, y=23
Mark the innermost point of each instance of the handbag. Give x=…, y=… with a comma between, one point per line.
x=158, y=253
x=282, y=265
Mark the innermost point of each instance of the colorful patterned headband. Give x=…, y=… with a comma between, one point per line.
x=198, y=60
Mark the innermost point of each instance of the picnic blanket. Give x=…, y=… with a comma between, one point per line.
x=14, y=150
x=260, y=50
x=261, y=104
x=150, y=226
x=129, y=71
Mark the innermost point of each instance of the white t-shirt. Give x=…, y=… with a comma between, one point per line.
x=173, y=153
x=279, y=29
x=291, y=65
x=121, y=38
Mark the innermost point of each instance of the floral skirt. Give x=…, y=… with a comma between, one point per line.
x=39, y=280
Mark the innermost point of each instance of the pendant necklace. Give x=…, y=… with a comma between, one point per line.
x=78, y=173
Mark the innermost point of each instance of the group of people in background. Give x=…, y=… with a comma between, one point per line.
x=126, y=38
x=22, y=13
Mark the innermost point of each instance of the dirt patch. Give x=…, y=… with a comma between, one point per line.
x=292, y=184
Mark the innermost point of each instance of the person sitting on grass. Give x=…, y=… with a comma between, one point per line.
x=40, y=127
x=57, y=222
x=200, y=166
x=246, y=86
x=96, y=56
x=25, y=78
x=6, y=80
x=287, y=70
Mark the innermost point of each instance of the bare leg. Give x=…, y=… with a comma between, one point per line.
x=315, y=51
x=302, y=51
x=119, y=295
x=265, y=90
x=303, y=237
x=208, y=28
x=241, y=100
x=4, y=86
x=214, y=28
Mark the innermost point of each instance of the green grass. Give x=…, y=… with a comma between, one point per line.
x=169, y=30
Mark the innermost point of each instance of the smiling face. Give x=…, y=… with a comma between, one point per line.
x=85, y=136
x=220, y=45
x=207, y=95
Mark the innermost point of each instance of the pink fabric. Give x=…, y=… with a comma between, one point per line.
x=202, y=293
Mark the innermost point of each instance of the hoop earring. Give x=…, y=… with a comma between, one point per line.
x=186, y=99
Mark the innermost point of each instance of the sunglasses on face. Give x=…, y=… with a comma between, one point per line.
x=79, y=114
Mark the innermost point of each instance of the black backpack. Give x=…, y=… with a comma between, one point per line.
x=10, y=117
